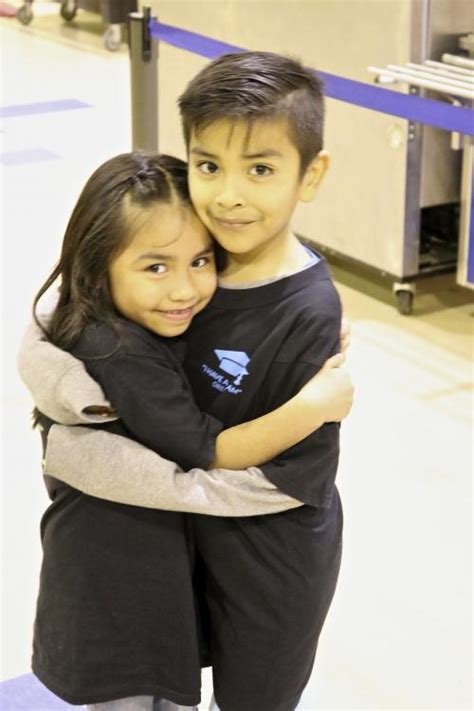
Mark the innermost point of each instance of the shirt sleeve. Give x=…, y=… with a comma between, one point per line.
x=59, y=383
x=118, y=469
x=155, y=404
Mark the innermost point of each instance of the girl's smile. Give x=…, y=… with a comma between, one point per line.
x=178, y=315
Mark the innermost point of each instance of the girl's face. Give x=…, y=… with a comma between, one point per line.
x=166, y=274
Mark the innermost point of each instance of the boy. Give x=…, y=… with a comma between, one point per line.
x=253, y=127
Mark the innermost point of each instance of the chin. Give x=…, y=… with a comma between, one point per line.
x=236, y=245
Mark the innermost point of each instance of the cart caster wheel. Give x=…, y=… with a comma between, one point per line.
x=68, y=10
x=112, y=38
x=405, y=302
x=25, y=14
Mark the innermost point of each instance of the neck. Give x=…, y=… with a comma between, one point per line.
x=271, y=260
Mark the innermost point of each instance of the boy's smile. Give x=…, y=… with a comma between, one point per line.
x=245, y=183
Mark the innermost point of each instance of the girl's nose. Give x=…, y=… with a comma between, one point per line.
x=182, y=290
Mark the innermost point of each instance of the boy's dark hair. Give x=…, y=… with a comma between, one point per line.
x=258, y=85
x=97, y=231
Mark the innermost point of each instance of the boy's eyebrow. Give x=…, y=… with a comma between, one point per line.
x=268, y=153
x=201, y=152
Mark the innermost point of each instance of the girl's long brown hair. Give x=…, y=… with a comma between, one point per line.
x=97, y=230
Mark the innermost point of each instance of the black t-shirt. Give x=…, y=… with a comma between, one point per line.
x=116, y=611
x=252, y=349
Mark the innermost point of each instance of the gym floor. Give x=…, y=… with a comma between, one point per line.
x=398, y=635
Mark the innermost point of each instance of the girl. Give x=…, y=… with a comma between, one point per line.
x=116, y=613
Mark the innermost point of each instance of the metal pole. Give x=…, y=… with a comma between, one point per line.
x=465, y=275
x=144, y=82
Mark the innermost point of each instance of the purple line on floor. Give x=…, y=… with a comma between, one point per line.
x=29, y=155
x=42, y=107
x=27, y=693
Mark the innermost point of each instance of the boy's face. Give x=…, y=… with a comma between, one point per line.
x=245, y=182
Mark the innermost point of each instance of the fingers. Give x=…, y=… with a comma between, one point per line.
x=345, y=335
x=335, y=361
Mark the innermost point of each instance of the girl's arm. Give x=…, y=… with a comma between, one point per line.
x=59, y=383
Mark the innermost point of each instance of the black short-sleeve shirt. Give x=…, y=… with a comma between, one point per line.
x=252, y=349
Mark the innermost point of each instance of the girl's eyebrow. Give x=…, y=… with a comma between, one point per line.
x=203, y=252
x=171, y=257
x=155, y=255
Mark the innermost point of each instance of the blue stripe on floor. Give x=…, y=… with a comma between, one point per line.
x=42, y=107
x=26, y=692
x=29, y=155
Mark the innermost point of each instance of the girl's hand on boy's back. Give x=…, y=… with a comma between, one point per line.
x=345, y=335
x=331, y=390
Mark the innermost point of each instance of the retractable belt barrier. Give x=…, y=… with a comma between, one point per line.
x=458, y=119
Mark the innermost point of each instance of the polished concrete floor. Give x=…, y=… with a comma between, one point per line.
x=398, y=636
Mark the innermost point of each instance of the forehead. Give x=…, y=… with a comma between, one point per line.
x=165, y=226
x=243, y=137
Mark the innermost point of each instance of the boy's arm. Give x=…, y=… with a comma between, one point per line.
x=59, y=383
x=118, y=469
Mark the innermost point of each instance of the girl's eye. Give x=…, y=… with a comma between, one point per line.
x=207, y=167
x=201, y=262
x=260, y=170
x=156, y=268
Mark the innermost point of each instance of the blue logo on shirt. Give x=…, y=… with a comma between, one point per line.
x=233, y=363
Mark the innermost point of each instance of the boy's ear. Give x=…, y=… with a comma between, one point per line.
x=313, y=176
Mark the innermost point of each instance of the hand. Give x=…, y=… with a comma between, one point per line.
x=331, y=390
x=345, y=335
x=100, y=410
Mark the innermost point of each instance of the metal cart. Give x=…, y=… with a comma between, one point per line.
x=444, y=232
x=398, y=209
x=113, y=12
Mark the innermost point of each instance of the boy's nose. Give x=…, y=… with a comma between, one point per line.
x=230, y=196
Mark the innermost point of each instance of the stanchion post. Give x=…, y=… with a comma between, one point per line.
x=144, y=82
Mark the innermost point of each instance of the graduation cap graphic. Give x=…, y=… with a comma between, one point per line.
x=233, y=363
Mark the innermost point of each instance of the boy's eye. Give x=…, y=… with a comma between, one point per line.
x=260, y=170
x=207, y=167
x=156, y=268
